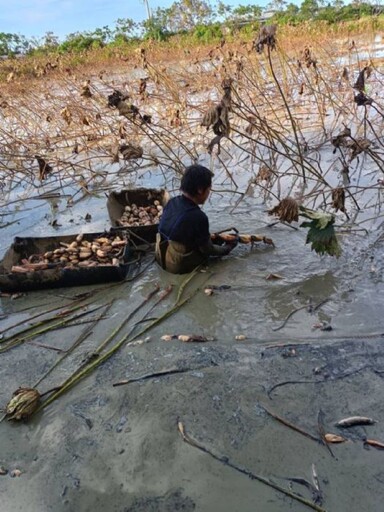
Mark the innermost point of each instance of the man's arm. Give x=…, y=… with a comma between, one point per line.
x=210, y=249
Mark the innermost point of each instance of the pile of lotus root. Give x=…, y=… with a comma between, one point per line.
x=141, y=215
x=105, y=250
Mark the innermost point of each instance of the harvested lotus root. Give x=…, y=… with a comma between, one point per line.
x=141, y=215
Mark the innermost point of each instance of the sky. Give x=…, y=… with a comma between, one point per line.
x=34, y=18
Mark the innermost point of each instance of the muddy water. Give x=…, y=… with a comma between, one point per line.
x=118, y=449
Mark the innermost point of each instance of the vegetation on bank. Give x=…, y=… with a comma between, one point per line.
x=195, y=21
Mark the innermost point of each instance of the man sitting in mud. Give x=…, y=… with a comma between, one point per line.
x=183, y=241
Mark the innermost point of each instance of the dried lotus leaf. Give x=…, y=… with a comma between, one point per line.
x=338, y=199
x=287, y=210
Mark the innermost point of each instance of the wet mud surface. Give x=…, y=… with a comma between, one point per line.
x=119, y=448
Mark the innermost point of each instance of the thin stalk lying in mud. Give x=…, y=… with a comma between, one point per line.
x=290, y=425
x=37, y=316
x=299, y=309
x=83, y=336
x=14, y=341
x=126, y=320
x=80, y=322
x=145, y=318
x=253, y=476
x=79, y=375
x=171, y=371
x=48, y=347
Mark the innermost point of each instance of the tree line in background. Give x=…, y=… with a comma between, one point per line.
x=199, y=18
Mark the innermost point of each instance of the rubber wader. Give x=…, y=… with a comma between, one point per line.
x=173, y=257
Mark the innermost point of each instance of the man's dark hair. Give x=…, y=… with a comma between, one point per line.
x=195, y=178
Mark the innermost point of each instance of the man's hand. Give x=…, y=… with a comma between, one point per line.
x=230, y=245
